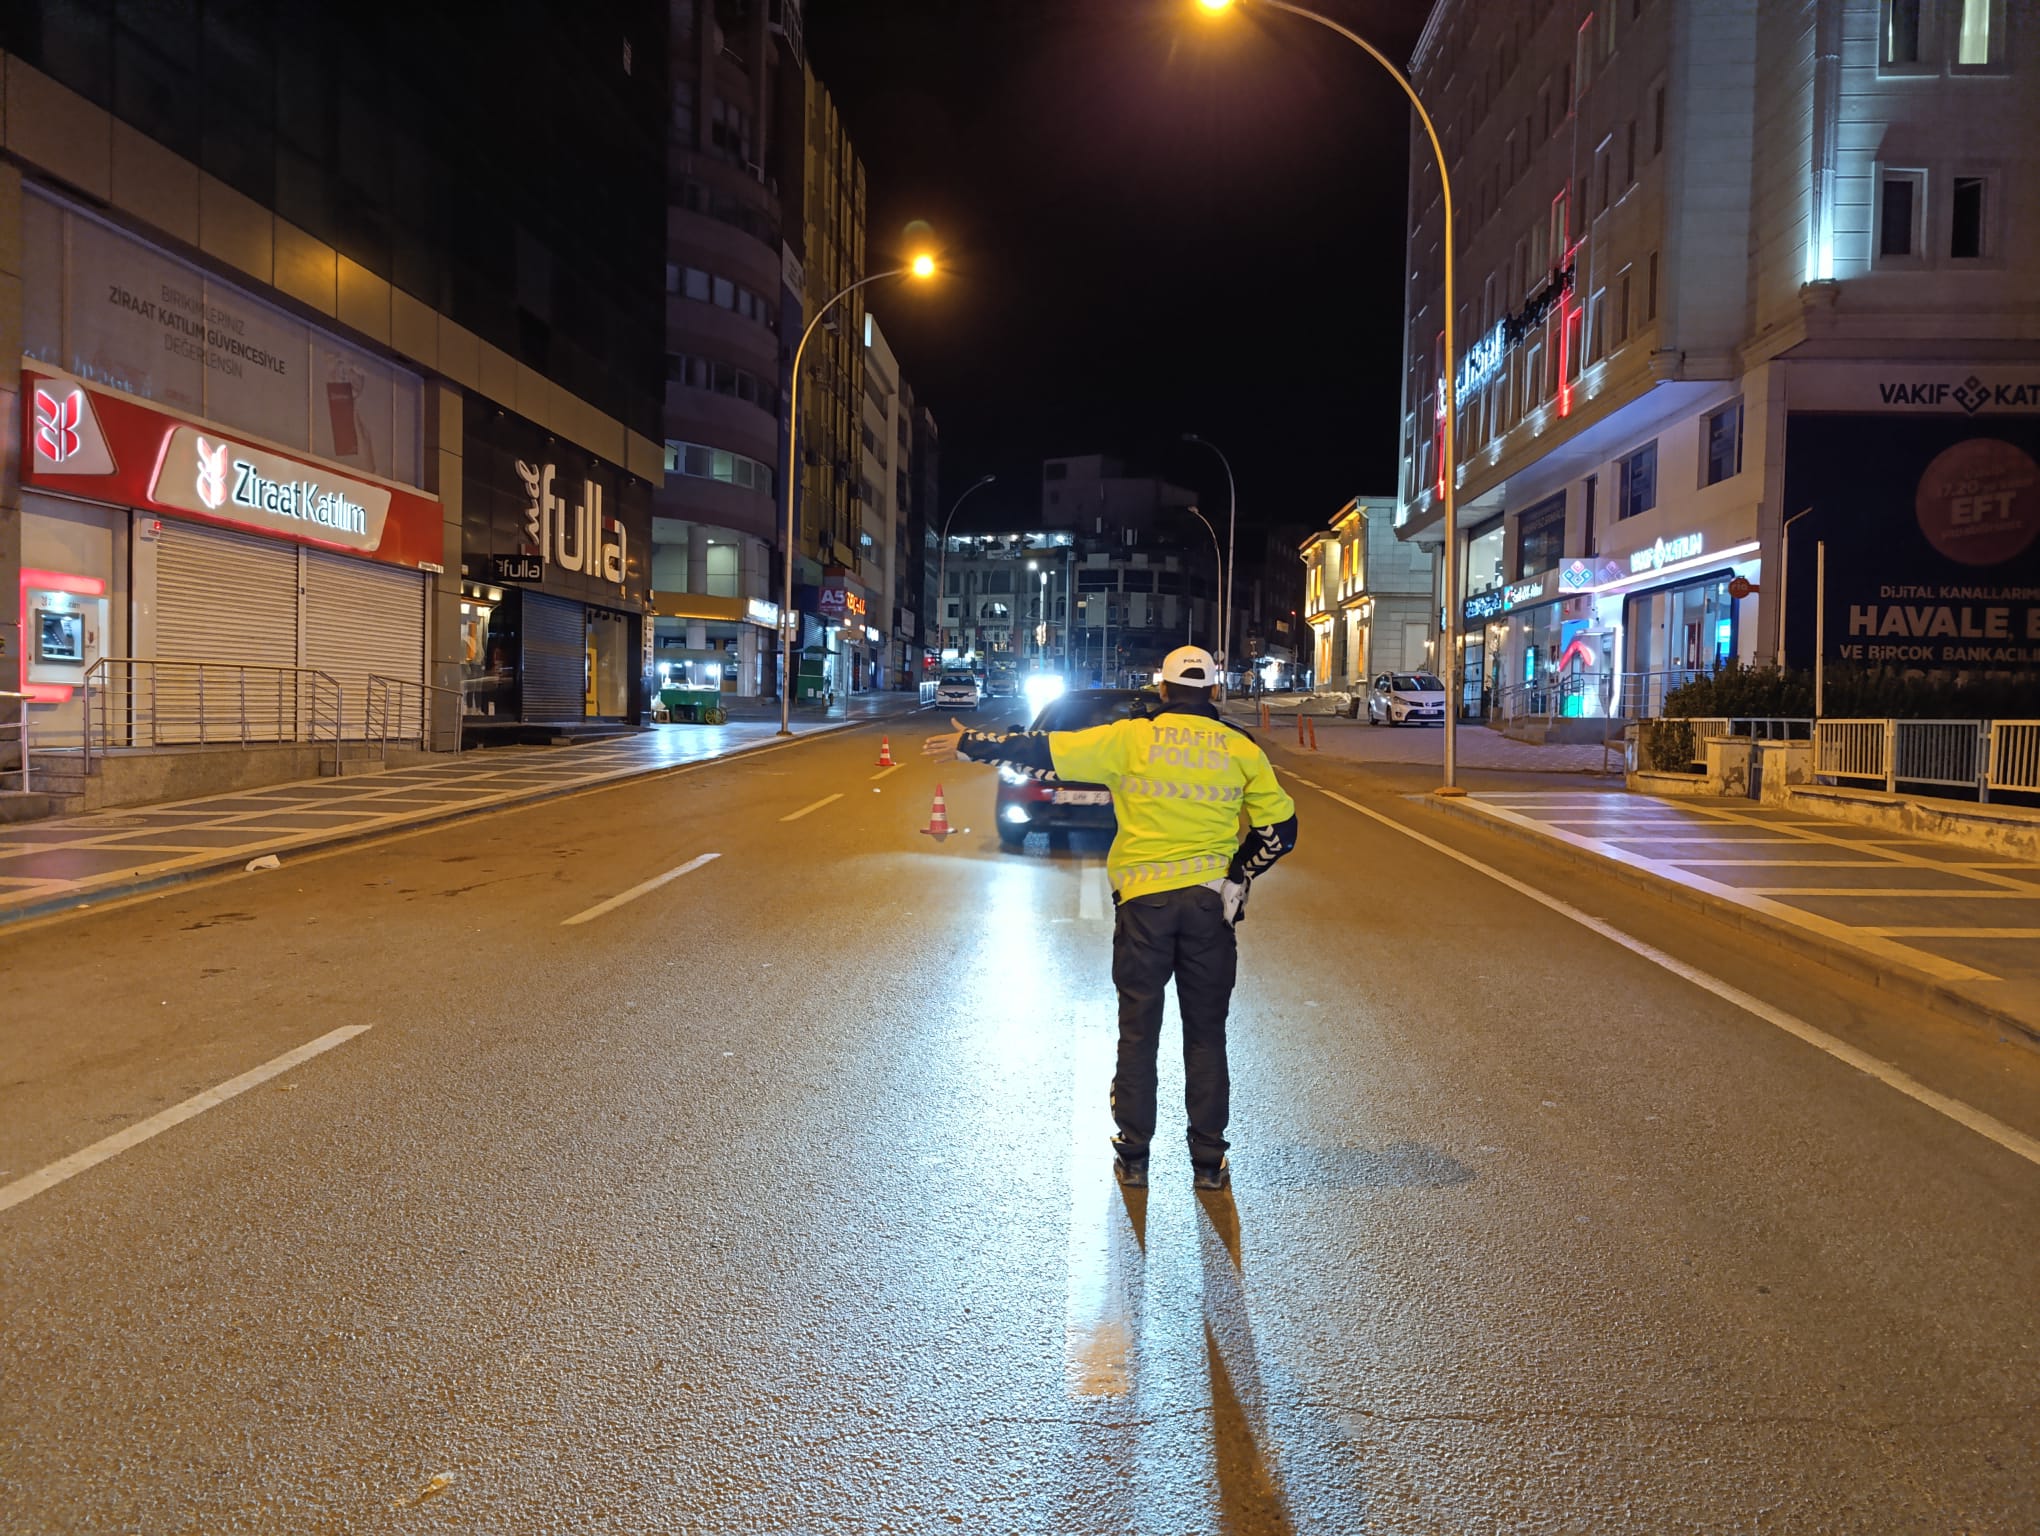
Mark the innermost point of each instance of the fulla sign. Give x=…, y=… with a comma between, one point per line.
x=574, y=536
x=205, y=473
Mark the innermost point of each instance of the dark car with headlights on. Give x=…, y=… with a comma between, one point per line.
x=1041, y=802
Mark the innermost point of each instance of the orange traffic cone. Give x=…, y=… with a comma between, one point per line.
x=938, y=817
x=885, y=753
x=1313, y=735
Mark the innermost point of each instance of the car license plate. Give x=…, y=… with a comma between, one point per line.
x=1083, y=797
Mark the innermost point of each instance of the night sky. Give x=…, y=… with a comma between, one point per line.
x=1155, y=222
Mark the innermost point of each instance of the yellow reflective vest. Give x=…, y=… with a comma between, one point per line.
x=1179, y=783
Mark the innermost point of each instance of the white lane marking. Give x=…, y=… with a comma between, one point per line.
x=1099, y=1320
x=1956, y=933
x=1932, y=892
x=90, y=1157
x=636, y=891
x=806, y=809
x=896, y=767
x=1092, y=883
x=1992, y=1129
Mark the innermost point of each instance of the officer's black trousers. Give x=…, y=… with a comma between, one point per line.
x=1182, y=934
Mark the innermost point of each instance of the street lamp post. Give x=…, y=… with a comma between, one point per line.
x=1232, y=514
x=1449, y=384
x=1218, y=586
x=942, y=561
x=921, y=267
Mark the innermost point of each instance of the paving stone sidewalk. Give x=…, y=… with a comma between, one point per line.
x=67, y=861
x=1964, y=921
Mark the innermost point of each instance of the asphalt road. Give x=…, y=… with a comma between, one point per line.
x=777, y=1198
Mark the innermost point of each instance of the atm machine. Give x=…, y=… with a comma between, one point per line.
x=65, y=633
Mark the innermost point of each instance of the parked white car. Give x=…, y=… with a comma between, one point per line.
x=957, y=690
x=1405, y=698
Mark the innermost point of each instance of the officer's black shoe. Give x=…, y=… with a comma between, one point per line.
x=1216, y=1175
x=1130, y=1171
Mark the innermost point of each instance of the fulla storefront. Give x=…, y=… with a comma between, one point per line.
x=1923, y=483
x=207, y=481
x=555, y=581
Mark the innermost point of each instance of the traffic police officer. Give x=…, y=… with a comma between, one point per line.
x=1180, y=874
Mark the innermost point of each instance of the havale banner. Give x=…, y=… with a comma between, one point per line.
x=1932, y=527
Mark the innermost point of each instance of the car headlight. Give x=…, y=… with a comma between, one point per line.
x=1016, y=813
x=1008, y=774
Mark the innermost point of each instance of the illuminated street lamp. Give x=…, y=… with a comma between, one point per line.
x=1448, y=384
x=921, y=267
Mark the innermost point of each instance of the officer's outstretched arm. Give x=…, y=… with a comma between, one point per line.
x=1018, y=749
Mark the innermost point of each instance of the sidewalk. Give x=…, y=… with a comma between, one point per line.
x=1954, y=927
x=48, y=866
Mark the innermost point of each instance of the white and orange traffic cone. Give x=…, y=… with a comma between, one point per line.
x=885, y=753
x=938, y=817
x=1313, y=735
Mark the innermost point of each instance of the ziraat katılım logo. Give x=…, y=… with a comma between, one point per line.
x=211, y=483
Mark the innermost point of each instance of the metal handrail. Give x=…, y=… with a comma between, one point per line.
x=141, y=701
x=378, y=710
x=19, y=725
x=2014, y=756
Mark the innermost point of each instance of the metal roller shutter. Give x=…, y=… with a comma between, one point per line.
x=230, y=599
x=555, y=665
x=364, y=619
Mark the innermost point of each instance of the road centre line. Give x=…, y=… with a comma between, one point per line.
x=1986, y=1126
x=807, y=809
x=643, y=889
x=33, y=1184
x=896, y=767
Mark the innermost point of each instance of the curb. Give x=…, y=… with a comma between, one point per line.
x=315, y=842
x=1900, y=980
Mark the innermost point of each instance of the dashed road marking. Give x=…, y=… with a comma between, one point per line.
x=808, y=809
x=142, y=1130
x=896, y=767
x=644, y=889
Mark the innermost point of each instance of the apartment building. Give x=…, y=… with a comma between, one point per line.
x=1736, y=279
x=1367, y=597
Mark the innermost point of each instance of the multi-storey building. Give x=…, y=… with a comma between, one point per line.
x=339, y=380
x=1729, y=268
x=837, y=572
x=735, y=139
x=1007, y=603
x=887, y=556
x=1368, y=597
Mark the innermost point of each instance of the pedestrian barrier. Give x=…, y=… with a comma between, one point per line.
x=133, y=701
x=1979, y=755
x=2014, y=756
x=18, y=726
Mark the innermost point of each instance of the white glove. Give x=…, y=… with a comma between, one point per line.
x=1232, y=894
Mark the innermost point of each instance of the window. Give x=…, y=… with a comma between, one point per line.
x=1540, y=539
x=1979, y=32
x=1591, y=546
x=1650, y=289
x=1598, y=339
x=1561, y=223
x=1901, y=40
x=1604, y=175
x=1622, y=306
x=1583, y=59
x=1966, y=240
x=701, y=463
x=1657, y=120
x=1629, y=156
x=1900, y=196
x=1637, y=474
x=1721, y=444
x=1574, y=343
x=696, y=285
